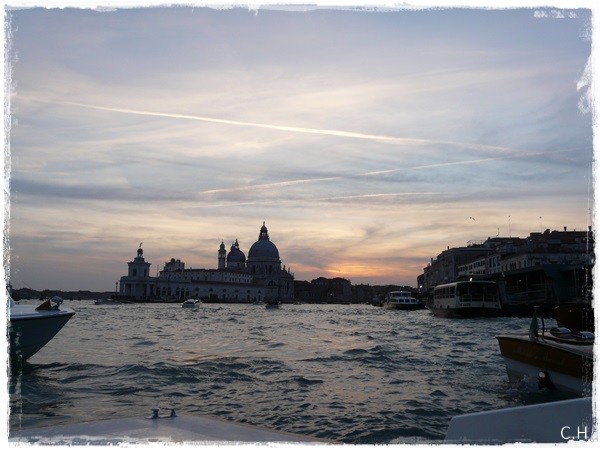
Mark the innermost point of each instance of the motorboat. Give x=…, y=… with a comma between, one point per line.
x=401, y=300
x=558, y=358
x=473, y=298
x=106, y=301
x=272, y=304
x=190, y=303
x=31, y=327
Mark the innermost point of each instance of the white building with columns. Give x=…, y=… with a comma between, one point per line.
x=260, y=277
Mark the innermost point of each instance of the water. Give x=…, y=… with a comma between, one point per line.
x=351, y=373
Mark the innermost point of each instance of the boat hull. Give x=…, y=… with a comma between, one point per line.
x=569, y=366
x=552, y=422
x=151, y=433
x=404, y=307
x=465, y=312
x=31, y=330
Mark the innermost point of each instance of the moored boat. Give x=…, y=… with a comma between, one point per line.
x=559, y=358
x=465, y=299
x=31, y=327
x=403, y=300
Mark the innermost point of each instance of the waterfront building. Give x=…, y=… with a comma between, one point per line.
x=550, y=267
x=445, y=268
x=138, y=284
x=331, y=290
x=235, y=279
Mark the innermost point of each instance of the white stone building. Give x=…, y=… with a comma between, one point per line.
x=235, y=279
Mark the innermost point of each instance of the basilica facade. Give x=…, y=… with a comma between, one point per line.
x=237, y=279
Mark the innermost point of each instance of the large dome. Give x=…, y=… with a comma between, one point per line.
x=263, y=248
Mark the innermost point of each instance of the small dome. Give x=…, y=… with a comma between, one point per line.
x=235, y=254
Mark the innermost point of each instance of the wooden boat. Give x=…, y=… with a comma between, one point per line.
x=559, y=358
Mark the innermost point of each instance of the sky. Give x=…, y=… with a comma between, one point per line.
x=368, y=141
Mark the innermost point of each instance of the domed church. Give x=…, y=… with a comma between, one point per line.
x=265, y=266
x=236, y=279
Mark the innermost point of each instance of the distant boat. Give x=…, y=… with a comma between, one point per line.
x=31, y=327
x=376, y=301
x=401, y=300
x=190, y=303
x=465, y=299
x=272, y=304
x=559, y=358
x=106, y=301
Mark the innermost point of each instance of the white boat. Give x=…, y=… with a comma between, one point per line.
x=465, y=299
x=190, y=303
x=31, y=327
x=106, y=301
x=156, y=429
x=401, y=300
x=558, y=358
x=566, y=421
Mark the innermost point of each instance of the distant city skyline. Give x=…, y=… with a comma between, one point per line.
x=368, y=142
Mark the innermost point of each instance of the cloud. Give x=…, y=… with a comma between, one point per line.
x=364, y=139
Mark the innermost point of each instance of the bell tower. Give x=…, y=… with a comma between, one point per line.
x=222, y=256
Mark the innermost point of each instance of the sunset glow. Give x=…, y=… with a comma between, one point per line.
x=367, y=141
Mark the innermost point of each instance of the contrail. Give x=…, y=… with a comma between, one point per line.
x=269, y=185
x=378, y=172
x=507, y=154
x=337, y=133
x=318, y=199
x=512, y=155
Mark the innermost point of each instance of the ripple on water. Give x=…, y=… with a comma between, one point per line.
x=354, y=374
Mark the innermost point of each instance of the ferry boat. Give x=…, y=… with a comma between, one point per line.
x=465, y=299
x=401, y=300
